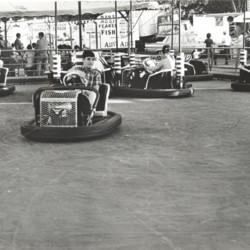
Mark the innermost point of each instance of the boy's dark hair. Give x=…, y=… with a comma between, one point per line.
x=33, y=45
x=208, y=35
x=18, y=34
x=87, y=53
x=29, y=47
x=165, y=49
x=41, y=34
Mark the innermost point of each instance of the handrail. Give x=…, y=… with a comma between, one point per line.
x=17, y=64
x=157, y=73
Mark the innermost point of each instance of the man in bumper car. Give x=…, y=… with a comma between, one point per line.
x=167, y=62
x=86, y=75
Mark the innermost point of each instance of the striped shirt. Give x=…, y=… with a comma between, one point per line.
x=92, y=76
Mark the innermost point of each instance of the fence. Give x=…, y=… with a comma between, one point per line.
x=217, y=57
x=29, y=63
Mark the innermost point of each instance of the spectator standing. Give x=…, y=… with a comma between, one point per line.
x=14, y=54
x=209, y=44
x=226, y=42
x=18, y=44
x=29, y=58
x=42, y=53
x=73, y=54
x=209, y=41
x=33, y=46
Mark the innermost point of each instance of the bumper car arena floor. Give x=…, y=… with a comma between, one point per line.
x=175, y=175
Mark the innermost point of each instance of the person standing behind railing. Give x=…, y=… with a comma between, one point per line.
x=29, y=59
x=226, y=42
x=42, y=53
x=18, y=44
x=14, y=54
x=209, y=44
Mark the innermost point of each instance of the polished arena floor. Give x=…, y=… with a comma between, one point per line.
x=174, y=176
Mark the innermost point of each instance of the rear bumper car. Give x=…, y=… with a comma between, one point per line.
x=157, y=85
x=243, y=84
x=5, y=89
x=196, y=70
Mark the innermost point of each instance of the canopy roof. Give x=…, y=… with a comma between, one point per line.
x=240, y=18
x=18, y=8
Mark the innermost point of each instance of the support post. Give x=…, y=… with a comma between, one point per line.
x=180, y=26
x=56, y=27
x=131, y=25
x=116, y=28
x=128, y=33
x=80, y=23
x=172, y=28
x=244, y=27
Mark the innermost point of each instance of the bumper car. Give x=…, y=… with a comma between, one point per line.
x=5, y=89
x=243, y=84
x=196, y=70
x=70, y=113
x=138, y=83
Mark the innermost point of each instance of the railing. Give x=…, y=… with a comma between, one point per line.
x=20, y=65
x=32, y=62
x=223, y=57
x=35, y=63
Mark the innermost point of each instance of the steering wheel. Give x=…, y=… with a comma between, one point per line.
x=76, y=77
x=148, y=62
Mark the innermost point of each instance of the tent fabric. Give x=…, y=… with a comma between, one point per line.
x=11, y=9
x=240, y=18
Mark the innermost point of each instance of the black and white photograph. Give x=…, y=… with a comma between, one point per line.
x=124, y=125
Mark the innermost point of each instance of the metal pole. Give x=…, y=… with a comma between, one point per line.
x=172, y=32
x=180, y=26
x=5, y=32
x=244, y=27
x=96, y=35
x=80, y=23
x=70, y=30
x=128, y=34
x=131, y=25
x=116, y=28
x=56, y=27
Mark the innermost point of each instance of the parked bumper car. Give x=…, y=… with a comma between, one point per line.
x=135, y=82
x=243, y=84
x=5, y=89
x=197, y=70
